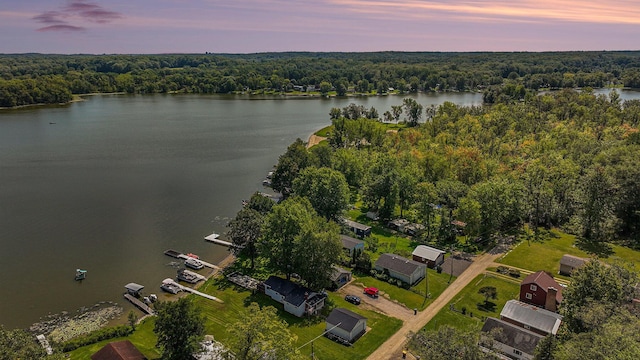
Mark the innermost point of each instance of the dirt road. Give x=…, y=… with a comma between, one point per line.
x=379, y=304
x=392, y=348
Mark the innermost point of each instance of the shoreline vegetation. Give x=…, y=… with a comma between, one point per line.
x=60, y=77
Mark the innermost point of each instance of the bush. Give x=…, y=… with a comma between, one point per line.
x=97, y=336
x=502, y=270
x=514, y=273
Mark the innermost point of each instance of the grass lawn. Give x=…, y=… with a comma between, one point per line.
x=324, y=132
x=143, y=338
x=220, y=316
x=546, y=254
x=411, y=299
x=474, y=303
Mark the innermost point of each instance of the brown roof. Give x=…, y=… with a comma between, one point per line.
x=119, y=350
x=544, y=281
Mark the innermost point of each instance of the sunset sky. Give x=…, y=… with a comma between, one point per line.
x=246, y=26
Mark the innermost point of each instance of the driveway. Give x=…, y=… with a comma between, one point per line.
x=379, y=304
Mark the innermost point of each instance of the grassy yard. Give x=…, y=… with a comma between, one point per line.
x=411, y=299
x=220, y=316
x=143, y=338
x=546, y=254
x=474, y=304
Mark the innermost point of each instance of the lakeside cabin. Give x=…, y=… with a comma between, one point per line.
x=360, y=230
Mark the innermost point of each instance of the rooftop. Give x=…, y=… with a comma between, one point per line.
x=513, y=336
x=350, y=243
x=293, y=293
x=347, y=319
x=544, y=281
x=398, y=264
x=427, y=252
x=532, y=316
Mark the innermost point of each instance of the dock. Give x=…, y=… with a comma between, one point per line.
x=193, y=291
x=214, y=238
x=139, y=304
x=179, y=255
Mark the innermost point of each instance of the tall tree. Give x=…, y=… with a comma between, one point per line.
x=245, y=230
x=317, y=248
x=179, y=327
x=326, y=189
x=413, y=111
x=259, y=334
x=289, y=166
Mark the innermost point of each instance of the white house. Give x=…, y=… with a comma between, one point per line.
x=297, y=300
x=346, y=324
x=401, y=268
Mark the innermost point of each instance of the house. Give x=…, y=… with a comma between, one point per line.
x=398, y=224
x=428, y=255
x=401, y=268
x=413, y=229
x=350, y=244
x=118, y=350
x=297, y=299
x=568, y=263
x=542, y=290
x=340, y=276
x=346, y=324
x=515, y=342
x=531, y=317
x=372, y=215
x=360, y=230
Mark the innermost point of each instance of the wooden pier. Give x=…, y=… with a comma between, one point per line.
x=193, y=291
x=139, y=304
x=179, y=255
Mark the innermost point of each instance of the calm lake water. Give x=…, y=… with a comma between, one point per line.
x=110, y=183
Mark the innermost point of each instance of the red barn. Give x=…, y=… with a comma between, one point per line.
x=542, y=290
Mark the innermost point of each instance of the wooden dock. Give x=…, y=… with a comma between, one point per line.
x=193, y=291
x=179, y=255
x=139, y=304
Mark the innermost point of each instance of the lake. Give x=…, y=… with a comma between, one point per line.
x=110, y=183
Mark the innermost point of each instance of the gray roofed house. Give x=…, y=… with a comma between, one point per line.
x=297, y=299
x=340, y=276
x=401, y=268
x=350, y=244
x=531, y=317
x=134, y=289
x=428, y=255
x=359, y=229
x=568, y=263
x=515, y=342
x=346, y=324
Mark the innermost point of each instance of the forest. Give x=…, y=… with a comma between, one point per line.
x=27, y=79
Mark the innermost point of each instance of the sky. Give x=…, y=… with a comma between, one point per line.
x=250, y=26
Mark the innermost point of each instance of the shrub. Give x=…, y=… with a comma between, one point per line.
x=96, y=336
x=514, y=273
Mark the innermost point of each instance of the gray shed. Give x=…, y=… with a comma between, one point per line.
x=346, y=324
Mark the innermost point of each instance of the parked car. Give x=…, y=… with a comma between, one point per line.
x=353, y=299
x=371, y=291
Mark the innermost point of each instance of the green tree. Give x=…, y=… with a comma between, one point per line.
x=294, y=160
x=489, y=292
x=179, y=327
x=447, y=343
x=259, y=334
x=326, y=189
x=325, y=87
x=317, y=248
x=596, y=195
x=245, y=230
x=20, y=345
x=132, y=318
x=413, y=111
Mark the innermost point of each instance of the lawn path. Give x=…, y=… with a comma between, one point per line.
x=392, y=348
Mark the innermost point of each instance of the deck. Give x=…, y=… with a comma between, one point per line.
x=179, y=255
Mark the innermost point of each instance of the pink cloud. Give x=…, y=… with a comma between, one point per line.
x=67, y=28
x=92, y=12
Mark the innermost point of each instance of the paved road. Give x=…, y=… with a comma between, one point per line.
x=392, y=348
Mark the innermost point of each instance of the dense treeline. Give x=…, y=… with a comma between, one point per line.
x=564, y=159
x=33, y=78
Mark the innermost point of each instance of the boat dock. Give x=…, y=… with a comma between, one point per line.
x=179, y=255
x=193, y=291
x=139, y=304
x=214, y=238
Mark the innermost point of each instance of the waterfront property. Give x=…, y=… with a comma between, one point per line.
x=401, y=268
x=297, y=299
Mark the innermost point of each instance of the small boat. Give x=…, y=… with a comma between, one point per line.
x=170, y=286
x=193, y=263
x=81, y=274
x=192, y=255
x=266, y=182
x=188, y=276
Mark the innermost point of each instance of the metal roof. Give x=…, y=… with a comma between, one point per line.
x=347, y=319
x=513, y=336
x=532, y=316
x=427, y=252
x=134, y=287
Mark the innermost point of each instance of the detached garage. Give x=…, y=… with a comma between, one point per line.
x=346, y=324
